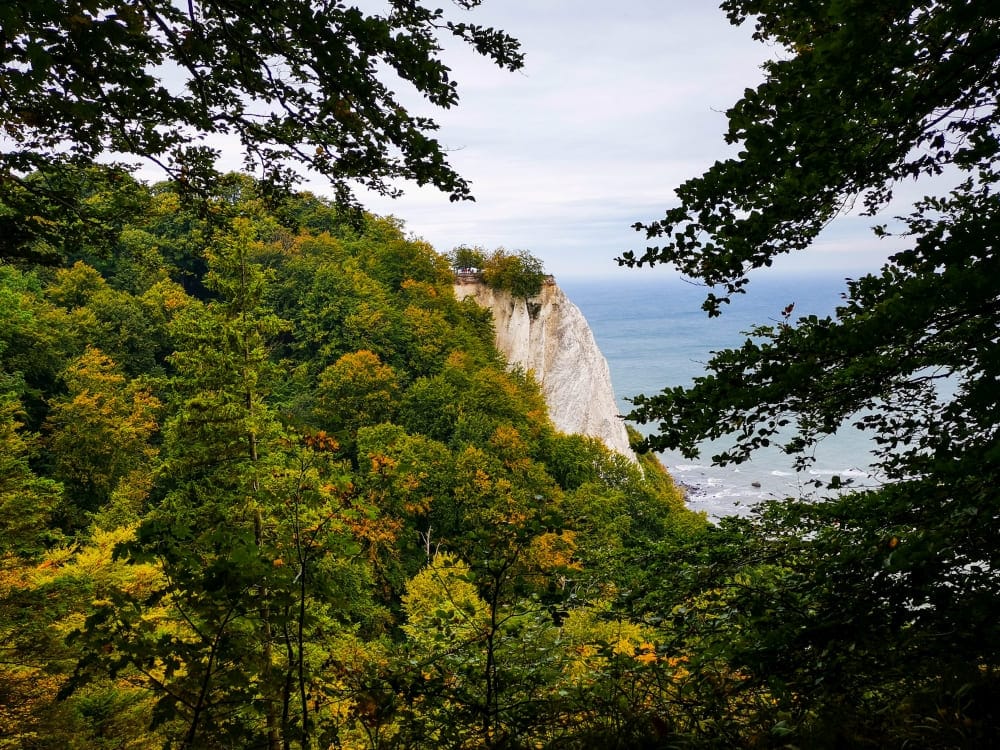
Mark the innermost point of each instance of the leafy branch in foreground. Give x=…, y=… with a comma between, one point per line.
x=814, y=601
x=301, y=85
x=911, y=351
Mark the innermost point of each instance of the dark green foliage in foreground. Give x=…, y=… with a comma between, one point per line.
x=871, y=617
x=303, y=85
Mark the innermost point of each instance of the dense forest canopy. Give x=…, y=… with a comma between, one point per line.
x=266, y=483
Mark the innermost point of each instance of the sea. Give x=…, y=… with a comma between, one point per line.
x=654, y=335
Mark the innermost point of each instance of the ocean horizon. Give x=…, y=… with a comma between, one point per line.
x=654, y=335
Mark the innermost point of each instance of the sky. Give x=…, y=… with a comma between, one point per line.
x=618, y=103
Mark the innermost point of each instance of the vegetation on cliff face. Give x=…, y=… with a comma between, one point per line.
x=265, y=482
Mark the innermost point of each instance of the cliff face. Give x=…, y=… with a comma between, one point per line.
x=549, y=335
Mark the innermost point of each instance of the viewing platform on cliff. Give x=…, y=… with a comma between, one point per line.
x=468, y=276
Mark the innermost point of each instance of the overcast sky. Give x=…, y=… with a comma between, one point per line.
x=617, y=104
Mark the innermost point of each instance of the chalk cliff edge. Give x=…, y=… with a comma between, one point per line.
x=548, y=335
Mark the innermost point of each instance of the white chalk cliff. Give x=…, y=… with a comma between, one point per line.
x=548, y=335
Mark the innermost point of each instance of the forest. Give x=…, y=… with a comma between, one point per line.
x=265, y=483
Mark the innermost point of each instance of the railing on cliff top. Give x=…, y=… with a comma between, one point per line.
x=475, y=276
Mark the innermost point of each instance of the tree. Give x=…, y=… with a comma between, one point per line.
x=446, y=583
x=520, y=273
x=343, y=309
x=75, y=211
x=99, y=432
x=400, y=260
x=864, y=96
x=36, y=339
x=410, y=480
x=299, y=83
x=358, y=390
x=244, y=526
x=208, y=526
x=27, y=501
x=467, y=257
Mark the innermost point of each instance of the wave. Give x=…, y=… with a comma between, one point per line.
x=840, y=473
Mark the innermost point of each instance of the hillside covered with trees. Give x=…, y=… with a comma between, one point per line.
x=267, y=483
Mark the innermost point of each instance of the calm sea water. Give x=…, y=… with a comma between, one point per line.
x=654, y=335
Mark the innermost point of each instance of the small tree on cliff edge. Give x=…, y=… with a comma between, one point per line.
x=467, y=257
x=520, y=273
x=863, y=96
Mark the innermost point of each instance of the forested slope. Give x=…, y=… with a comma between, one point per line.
x=264, y=482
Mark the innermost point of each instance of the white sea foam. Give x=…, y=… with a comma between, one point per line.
x=840, y=473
